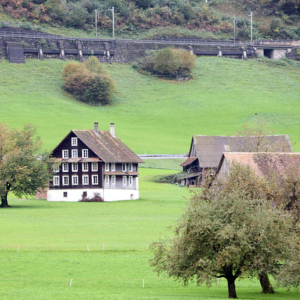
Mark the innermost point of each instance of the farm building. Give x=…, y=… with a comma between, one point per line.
x=261, y=162
x=206, y=152
x=94, y=162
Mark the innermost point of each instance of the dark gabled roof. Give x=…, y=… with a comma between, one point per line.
x=108, y=148
x=262, y=162
x=209, y=149
x=189, y=160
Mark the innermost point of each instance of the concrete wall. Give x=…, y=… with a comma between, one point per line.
x=279, y=53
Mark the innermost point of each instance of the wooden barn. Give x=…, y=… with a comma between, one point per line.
x=93, y=162
x=206, y=152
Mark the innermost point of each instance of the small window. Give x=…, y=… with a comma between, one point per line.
x=65, y=154
x=94, y=167
x=124, y=167
x=84, y=194
x=106, y=167
x=74, y=167
x=55, y=180
x=65, y=180
x=130, y=179
x=75, y=180
x=85, y=167
x=113, y=179
x=65, y=167
x=74, y=153
x=95, y=179
x=74, y=142
x=113, y=167
x=85, y=179
x=130, y=168
x=106, y=179
x=124, y=180
x=65, y=194
x=55, y=169
x=85, y=153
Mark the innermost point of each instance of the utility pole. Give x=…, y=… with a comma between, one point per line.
x=234, y=29
x=251, y=16
x=113, y=19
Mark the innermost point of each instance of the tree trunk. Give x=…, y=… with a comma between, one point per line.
x=265, y=284
x=231, y=289
x=4, y=201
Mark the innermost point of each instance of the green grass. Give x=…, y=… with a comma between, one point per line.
x=155, y=115
x=53, y=239
x=168, y=164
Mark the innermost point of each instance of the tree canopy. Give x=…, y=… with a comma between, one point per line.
x=226, y=233
x=24, y=167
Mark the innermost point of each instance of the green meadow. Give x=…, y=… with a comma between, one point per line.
x=44, y=246
x=152, y=114
x=54, y=250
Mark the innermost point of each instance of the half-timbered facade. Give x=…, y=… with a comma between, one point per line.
x=90, y=162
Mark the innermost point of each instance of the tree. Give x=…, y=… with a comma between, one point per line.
x=254, y=138
x=166, y=62
x=24, y=168
x=224, y=235
x=89, y=82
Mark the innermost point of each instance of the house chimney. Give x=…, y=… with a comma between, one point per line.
x=112, y=129
x=96, y=127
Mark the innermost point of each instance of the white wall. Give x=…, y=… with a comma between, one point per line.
x=74, y=195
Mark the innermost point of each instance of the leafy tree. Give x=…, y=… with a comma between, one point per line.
x=88, y=82
x=186, y=61
x=225, y=235
x=166, y=62
x=23, y=166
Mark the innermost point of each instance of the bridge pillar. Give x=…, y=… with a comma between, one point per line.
x=244, y=57
x=62, y=51
x=79, y=47
x=191, y=50
x=40, y=54
x=219, y=52
x=279, y=53
x=107, y=48
x=259, y=52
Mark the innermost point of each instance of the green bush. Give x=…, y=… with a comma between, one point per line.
x=166, y=62
x=88, y=82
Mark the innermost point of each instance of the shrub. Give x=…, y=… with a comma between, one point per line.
x=166, y=62
x=95, y=198
x=186, y=61
x=88, y=82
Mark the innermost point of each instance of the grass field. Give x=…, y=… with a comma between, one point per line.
x=155, y=115
x=53, y=239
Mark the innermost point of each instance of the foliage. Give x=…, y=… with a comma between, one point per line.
x=166, y=62
x=225, y=235
x=95, y=198
x=23, y=166
x=88, y=82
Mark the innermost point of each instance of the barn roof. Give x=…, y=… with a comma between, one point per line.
x=189, y=160
x=262, y=162
x=110, y=149
x=209, y=149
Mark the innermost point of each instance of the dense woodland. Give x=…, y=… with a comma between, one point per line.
x=138, y=15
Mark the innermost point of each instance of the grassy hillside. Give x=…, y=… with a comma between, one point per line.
x=152, y=114
x=53, y=239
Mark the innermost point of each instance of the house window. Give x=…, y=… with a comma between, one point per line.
x=65, y=154
x=130, y=179
x=74, y=167
x=85, y=153
x=95, y=179
x=65, y=167
x=85, y=179
x=74, y=141
x=124, y=180
x=65, y=180
x=65, y=194
x=106, y=179
x=113, y=167
x=85, y=167
x=75, y=180
x=84, y=194
x=56, y=180
x=74, y=153
x=106, y=167
x=113, y=179
x=94, y=166
x=130, y=168
x=55, y=169
x=124, y=167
